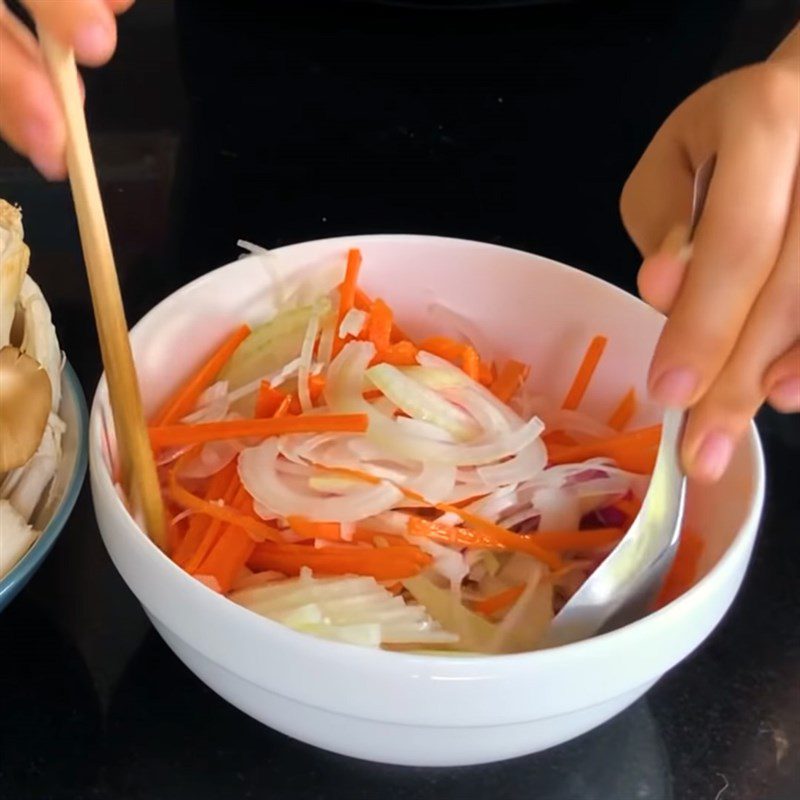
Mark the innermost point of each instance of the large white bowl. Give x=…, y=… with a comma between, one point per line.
x=402, y=708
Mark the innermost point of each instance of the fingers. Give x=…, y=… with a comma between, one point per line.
x=88, y=26
x=661, y=274
x=658, y=193
x=30, y=117
x=765, y=361
x=782, y=382
x=119, y=6
x=736, y=246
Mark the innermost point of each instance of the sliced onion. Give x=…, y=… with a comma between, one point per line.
x=422, y=403
x=213, y=457
x=306, y=355
x=259, y=475
x=559, y=509
x=343, y=392
x=525, y=465
x=353, y=323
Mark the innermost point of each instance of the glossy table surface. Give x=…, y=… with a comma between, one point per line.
x=304, y=120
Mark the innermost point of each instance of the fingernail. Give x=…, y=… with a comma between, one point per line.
x=785, y=395
x=677, y=244
x=93, y=41
x=676, y=387
x=712, y=457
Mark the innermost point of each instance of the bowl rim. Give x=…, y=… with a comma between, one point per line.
x=25, y=567
x=432, y=663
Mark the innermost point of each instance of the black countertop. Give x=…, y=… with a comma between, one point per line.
x=306, y=120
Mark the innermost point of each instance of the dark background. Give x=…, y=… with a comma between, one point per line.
x=283, y=121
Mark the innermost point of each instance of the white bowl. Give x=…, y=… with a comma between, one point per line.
x=426, y=710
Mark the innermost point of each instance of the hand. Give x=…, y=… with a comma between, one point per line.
x=30, y=116
x=732, y=337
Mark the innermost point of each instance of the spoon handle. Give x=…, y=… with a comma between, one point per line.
x=138, y=470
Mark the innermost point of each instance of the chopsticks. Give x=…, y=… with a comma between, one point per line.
x=138, y=469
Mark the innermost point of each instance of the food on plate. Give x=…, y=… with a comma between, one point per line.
x=30, y=395
x=327, y=471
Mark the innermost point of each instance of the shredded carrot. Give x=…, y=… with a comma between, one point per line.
x=179, y=435
x=510, y=380
x=498, y=602
x=487, y=373
x=187, y=396
x=285, y=407
x=230, y=552
x=395, y=588
x=214, y=528
x=624, y=412
x=330, y=531
x=198, y=523
x=268, y=402
x=470, y=363
x=481, y=533
x=379, y=325
x=363, y=303
x=393, y=563
x=556, y=438
x=584, y=375
x=347, y=293
x=634, y=451
x=183, y=497
x=577, y=540
x=401, y=354
x=444, y=347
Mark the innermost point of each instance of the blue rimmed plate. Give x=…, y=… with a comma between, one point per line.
x=67, y=486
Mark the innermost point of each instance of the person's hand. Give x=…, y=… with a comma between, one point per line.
x=30, y=116
x=732, y=337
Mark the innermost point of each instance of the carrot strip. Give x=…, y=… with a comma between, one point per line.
x=488, y=373
x=393, y=563
x=624, y=412
x=498, y=602
x=213, y=530
x=178, y=435
x=183, y=497
x=185, y=399
x=285, y=407
x=401, y=354
x=481, y=534
x=379, y=325
x=199, y=523
x=634, y=451
x=510, y=380
x=444, y=347
x=470, y=363
x=363, y=303
x=584, y=375
x=347, y=293
x=577, y=540
x=330, y=531
x=230, y=552
x=268, y=402
x=556, y=438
